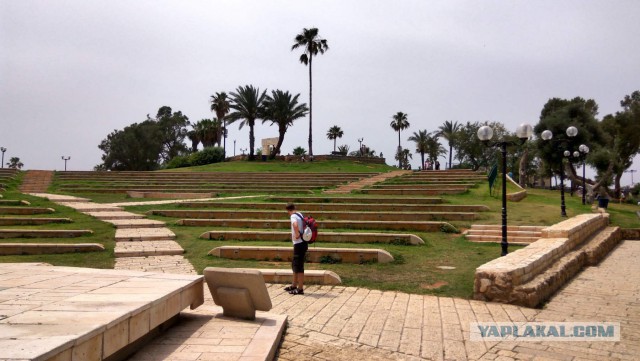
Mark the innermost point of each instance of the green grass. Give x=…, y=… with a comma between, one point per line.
x=415, y=269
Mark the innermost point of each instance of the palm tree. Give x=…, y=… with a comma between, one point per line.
x=194, y=138
x=421, y=139
x=334, y=133
x=398, y=123
x=246, y=103
x=208, y=132
x=312, y=44
x=220, y=105
x=448, y=131
x=282, y=109
x=434, y=148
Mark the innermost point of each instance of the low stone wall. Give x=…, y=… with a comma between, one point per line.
x=517, y=196
x=630, y=233
x=529, y=275
x=295, y=158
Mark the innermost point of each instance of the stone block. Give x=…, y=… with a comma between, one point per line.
x=139, y=325
x=89, y=350
x=115, y=338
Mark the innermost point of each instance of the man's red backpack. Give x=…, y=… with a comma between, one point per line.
x=309, y=231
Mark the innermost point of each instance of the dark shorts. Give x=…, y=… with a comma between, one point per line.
x=299, y=254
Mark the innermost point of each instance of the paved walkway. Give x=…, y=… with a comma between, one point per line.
x=347, y=188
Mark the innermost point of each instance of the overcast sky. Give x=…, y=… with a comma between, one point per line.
x=73, y=71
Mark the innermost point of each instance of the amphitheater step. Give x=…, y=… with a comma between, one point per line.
x=518, y=235
x=356, y=207
x=336, y=237
x=13, y=202
x=35, y=181
x=314, y=254
x=25, y=210
x=90, y=207
x=144, y=234
x=31, y=221
x=521, y=241
x=107, y=216
x=7, y=249
x=136, y=223
x=347, y=188
x=43, y=233
x=147, y=248
x=425, y=226
x=361, y=200
x=162, y=264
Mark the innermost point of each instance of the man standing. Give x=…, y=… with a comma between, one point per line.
x=299, y=251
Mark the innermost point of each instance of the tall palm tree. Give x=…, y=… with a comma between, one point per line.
x=312, y=44
x=399, y=123
x=334, y=133
x=194, y=138
x=282, y=109
x=246, y=103
x=448, y=131
x=220, y=105
x=421, y=139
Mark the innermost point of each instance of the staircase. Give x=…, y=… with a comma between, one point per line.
x=36, y=181
x=347, y=188
x=517, y=235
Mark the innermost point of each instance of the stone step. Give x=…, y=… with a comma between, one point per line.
x=143, y=234
x=360, y=200
x=285, y=276
x=414, y=192
x=43, y=233
x=314, y=254
x=163, y=264
x=346, y=237
x=206, y=190
x=425, y=226
x=147, y=248
x=522, y=241
x=107, y=216
x=498, y=232
x=60, y=197
x=31, y=221
x=315, y=207
x=14, y=202
x=319, y=215
x=421, y=186
x=509, y=228
x=25, y=210
x=90, y=207
x=136, y=223
x=7, y=249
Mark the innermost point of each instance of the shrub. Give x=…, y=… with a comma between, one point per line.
x=299, y=151
x=208, y=155
x=179, y=161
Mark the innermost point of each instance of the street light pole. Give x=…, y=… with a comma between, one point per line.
x=3, y=149
x=626, y=171
x=547, y=135
x=584, y=150
x=360, y=140
x=485, y=133
x=65, y=161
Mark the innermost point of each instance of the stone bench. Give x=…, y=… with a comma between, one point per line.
x=31, y=221
x=530, y=275
x=321, y=216
x=316, y=277
x=426, y=226
x=25, y=210
x=336, y=237
x=43, y=233
x=7, y=249
x=314, y=254
x=240, y=292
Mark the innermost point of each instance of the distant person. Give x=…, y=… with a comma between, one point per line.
x=427, y=165
x=300, y=248
x=437, y=165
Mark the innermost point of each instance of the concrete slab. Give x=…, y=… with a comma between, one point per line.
x=90, y=206
x=144, y=234
x=147, y=248
x=78, y=311
x=135, y=223
x=163, y=264
x=104, y=216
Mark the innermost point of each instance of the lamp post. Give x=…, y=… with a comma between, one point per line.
x=583, y=151
x=547, y=135
x=65, y=161
x=234, y=147
x=3, y=149
x=626, y=171
x=360, y=140
x=243, y=150
x=485, y=133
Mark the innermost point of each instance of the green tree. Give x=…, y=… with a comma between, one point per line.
x=208, y=132
x=15, y=163
x=403, y=156
x=312, y=45
x=173, y=131
x=282, y=109
x=136, y=147
x=434, y=148
x=246, y=103
x=334, y=133
x=420, y=138
x=299, y=151
x=471, y=152
x=221, y=106
x=624, y=130
x=194, y=138
x=448, y=131
x=343, y=149
x=399, y=123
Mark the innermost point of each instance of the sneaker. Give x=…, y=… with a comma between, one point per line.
x=290, y=288
x=297, y=291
